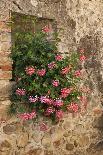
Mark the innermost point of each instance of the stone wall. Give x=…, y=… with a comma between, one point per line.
x=82, y=23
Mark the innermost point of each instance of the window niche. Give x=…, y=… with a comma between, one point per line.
x=27, y=23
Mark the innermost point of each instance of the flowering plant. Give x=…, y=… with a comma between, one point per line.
x=46, y=81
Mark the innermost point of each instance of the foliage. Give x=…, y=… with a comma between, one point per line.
x=46, y=81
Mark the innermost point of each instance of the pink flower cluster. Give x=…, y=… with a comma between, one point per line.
x=41, y=72
x=59, y=114
x=82, y=58
x=55, y=83
x=73, y=107
x=20, y=92
x=52, y=65
x=58, y=103
x=65, y=92
x=30, y=70
x=66, y=70
x=45, y=99
x=49, y=111
x=77, y=73
x=27, y=116
x=33, y=99
x=46, y=29
x=58, y=57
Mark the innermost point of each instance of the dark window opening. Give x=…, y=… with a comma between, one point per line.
x=27, y=23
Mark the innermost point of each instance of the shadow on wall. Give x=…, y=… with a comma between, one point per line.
x=91, y=45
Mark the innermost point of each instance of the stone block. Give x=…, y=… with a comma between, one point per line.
x=12, y=128
x=4, y=106
x=5, y=88
x=5, y=145
x=22, y=140
x=5, y=46
x=4, y=27
x=5, y=75
x=6, y=67
x=5, y=37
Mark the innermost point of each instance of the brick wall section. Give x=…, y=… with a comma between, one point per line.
x=5, y=61
x=5, y=44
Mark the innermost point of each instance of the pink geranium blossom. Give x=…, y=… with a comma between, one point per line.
x=58, y=57
x=77, y=73
x=58, y=103
x=46, y=29
x=82, y=58
x=55, y=83
x=41, y=72
x=49, y=111
x=33, y=99
x=45, y=99
x=66, y=70
x=52, y=65
x=73, y=107
x=59, y=114
x=20, y=92
x=30, y=70
x=65, y=92
x=27, y=116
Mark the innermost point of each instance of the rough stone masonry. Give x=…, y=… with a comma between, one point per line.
x=82, y=23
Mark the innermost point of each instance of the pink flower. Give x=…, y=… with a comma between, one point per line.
x=46, y=29
x=55, y=83
x=52, y=65
x=82, y=58
x=77, y=73
x=43, y=127
x=41, y=72
x=30, y=70
x=59, y=114
x=27, y=116
x=45, y=99
x=58, y=57
x=81, y=50
x=58, y=103
x=73, y=107
x=65, y=92
x=49, y=111
x=66, y=70
x=33, y=99
x=20, y=92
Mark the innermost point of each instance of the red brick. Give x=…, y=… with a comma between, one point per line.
x=6, y=67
